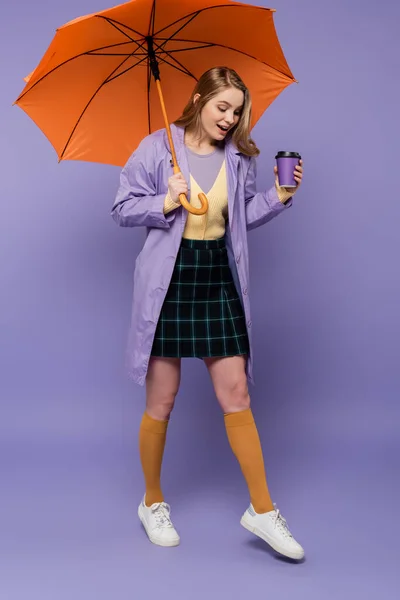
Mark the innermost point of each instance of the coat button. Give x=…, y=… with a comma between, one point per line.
x=249, y=324
x=237, y=259
x=245, y=291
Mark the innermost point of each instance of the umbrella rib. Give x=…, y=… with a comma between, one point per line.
x=114, y=22
x=152, y=18
x=233, y=50
x=94, y=53
x=87, y=53
x=110, y=22
x=110, y=79
x=185, y=70
x=192, y=17
x=164, y=51
x=88, y=104
x=205, y=45
x=198, y=12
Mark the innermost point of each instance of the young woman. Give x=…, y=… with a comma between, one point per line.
x=191, y=285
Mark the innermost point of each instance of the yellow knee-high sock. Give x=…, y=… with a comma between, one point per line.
x=245, y=443
x=152, y=436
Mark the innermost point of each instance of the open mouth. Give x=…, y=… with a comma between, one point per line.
x=224, y=129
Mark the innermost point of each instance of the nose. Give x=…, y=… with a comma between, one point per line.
x=229, y=117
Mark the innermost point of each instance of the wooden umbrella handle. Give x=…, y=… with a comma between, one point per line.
x=185, y=203
x=182, y=197
x=192, y=209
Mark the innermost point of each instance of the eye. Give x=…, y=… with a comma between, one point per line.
x=222, y=109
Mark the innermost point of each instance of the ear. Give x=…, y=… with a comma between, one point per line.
x=195, y=98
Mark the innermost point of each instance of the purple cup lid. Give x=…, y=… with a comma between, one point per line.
x=282, y=154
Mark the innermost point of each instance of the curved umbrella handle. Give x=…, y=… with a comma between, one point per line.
x=186, y=204
x=192, y=209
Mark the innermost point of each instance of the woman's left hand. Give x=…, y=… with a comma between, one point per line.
x=298, y=176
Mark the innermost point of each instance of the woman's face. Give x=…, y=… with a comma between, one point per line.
x=221, y=113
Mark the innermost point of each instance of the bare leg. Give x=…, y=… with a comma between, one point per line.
x=162, y=385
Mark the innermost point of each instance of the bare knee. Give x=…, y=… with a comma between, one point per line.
x=160, y=407
x=162, y=385
x=160, y=398
x=234, y=397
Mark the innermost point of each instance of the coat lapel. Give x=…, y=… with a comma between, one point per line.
x=181, y=156
x=232, y=159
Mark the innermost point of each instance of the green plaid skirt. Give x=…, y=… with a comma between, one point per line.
x=202, y=314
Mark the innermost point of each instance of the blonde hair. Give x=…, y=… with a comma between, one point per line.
x=211, y=83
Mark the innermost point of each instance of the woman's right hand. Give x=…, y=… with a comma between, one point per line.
x=177, y=185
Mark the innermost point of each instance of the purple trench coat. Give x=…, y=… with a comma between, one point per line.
x=140, y=201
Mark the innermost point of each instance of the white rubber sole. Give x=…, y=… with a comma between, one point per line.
x=158, y=542
x=270, y=541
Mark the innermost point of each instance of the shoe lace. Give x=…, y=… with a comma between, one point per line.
x=161, y=512
x=281, y=523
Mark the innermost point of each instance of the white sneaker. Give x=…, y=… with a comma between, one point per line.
x=157, y=523
x=273, y=529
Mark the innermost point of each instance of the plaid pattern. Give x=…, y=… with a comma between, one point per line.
x=202, y=314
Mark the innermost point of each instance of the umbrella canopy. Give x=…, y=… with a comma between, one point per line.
x=93, y=94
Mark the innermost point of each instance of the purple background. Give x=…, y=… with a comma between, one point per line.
x=326, y=297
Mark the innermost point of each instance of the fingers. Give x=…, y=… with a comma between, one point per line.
x=177, y=185
x=298, y=172
x=299, y=167
x=177, y=177
x=177, y=189
x=298, y=175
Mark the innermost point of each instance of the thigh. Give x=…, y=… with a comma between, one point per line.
x=162, y=385
x=228, y=375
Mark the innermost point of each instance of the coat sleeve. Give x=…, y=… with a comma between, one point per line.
x=261, y=207
x=137, y=203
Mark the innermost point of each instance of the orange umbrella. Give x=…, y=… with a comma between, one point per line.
x=93, y=94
